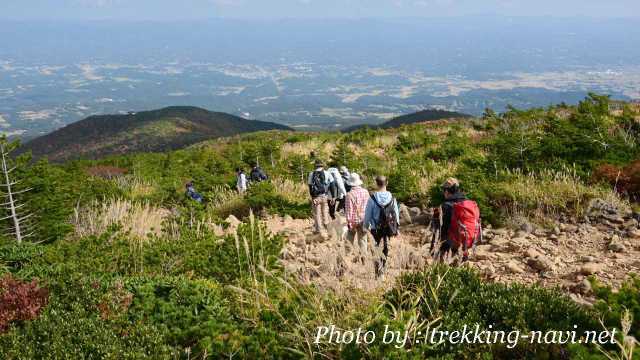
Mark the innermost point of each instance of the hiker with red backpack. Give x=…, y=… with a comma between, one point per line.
x=461, y=224
x=382, y=218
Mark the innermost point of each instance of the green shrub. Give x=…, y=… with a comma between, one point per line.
x=71, y=327
x=449, y=298
x=263, y=196
x=612, y=304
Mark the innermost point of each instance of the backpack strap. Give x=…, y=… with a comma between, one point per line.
x=375, y=201
x=380, y=206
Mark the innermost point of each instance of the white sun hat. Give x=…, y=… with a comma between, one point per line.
x=354, y=180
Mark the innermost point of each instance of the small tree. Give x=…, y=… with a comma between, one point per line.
x=343, y=155
x=15, y=215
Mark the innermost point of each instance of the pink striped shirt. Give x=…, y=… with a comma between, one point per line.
x=355, y=204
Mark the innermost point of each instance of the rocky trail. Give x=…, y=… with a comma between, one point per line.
x=606, y=244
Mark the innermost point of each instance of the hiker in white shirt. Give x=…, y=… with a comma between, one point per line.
x=241, y=181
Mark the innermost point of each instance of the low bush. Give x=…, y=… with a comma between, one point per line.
x=20, y=301
x=263, y=196
x=625, y=180
x=613, y=304
x=446, y=299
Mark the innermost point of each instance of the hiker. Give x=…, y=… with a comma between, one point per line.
x=241, y=181
x=192, y=193
x=355, y=205
x=461, y=225
x=382, y=218
x=337, y=192
x=257, y=175
x=344, y=172
x=319, y=181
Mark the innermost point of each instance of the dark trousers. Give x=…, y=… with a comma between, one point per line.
x=334, y=206
x=379, y=237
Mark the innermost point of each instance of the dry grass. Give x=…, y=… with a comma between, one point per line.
x=256, y=295
x=428, y=178
x=140, y=220
x=549, y=194
x=322, y=149
x=225, y=201
x=301, y=148
x=293, y=191
x=135, y=187
x=383, y=142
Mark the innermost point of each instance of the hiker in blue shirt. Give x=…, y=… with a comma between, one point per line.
x=192, y=193
x=382, y=218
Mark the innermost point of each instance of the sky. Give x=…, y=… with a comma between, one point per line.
x=162, y=10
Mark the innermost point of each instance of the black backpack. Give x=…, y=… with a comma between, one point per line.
x=387, y=224
x=317, y=186
x=257, y=175
x=345, y=180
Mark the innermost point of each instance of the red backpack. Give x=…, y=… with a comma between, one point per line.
x=465, y=226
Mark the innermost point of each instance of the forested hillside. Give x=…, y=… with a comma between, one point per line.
x=149, y=131
x=122, y=264
x=417, y=117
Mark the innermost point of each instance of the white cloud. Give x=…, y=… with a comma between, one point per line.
x=3, y=122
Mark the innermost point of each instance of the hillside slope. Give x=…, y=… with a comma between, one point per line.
x=158, y=130
x=413, y=118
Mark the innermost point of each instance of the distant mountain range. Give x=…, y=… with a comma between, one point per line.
x=417, y=117
x=149, y=131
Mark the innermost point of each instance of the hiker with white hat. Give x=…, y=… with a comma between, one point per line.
x=355, y=205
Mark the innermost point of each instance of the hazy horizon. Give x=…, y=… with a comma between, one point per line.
x=163, y=10
x=329, y=71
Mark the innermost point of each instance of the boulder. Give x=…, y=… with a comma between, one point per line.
x=616, y=247
x=500, y=244
x=590, y=268
x=631, y=224
x=633, y=233
x=614, y=219
x=481, y=252
x=405, y=215
x=571, y=228
x=415, y=212
x=526, y=227
x=499, y=232
x=583, y=286
x=514, y=267
x=532, y=253
x=541, y=263
x=587, y=259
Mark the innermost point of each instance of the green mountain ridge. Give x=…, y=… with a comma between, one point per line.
x=413, y=118
x=170, y=128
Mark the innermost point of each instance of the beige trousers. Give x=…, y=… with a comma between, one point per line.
x=359, y=238
x=320, y=207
